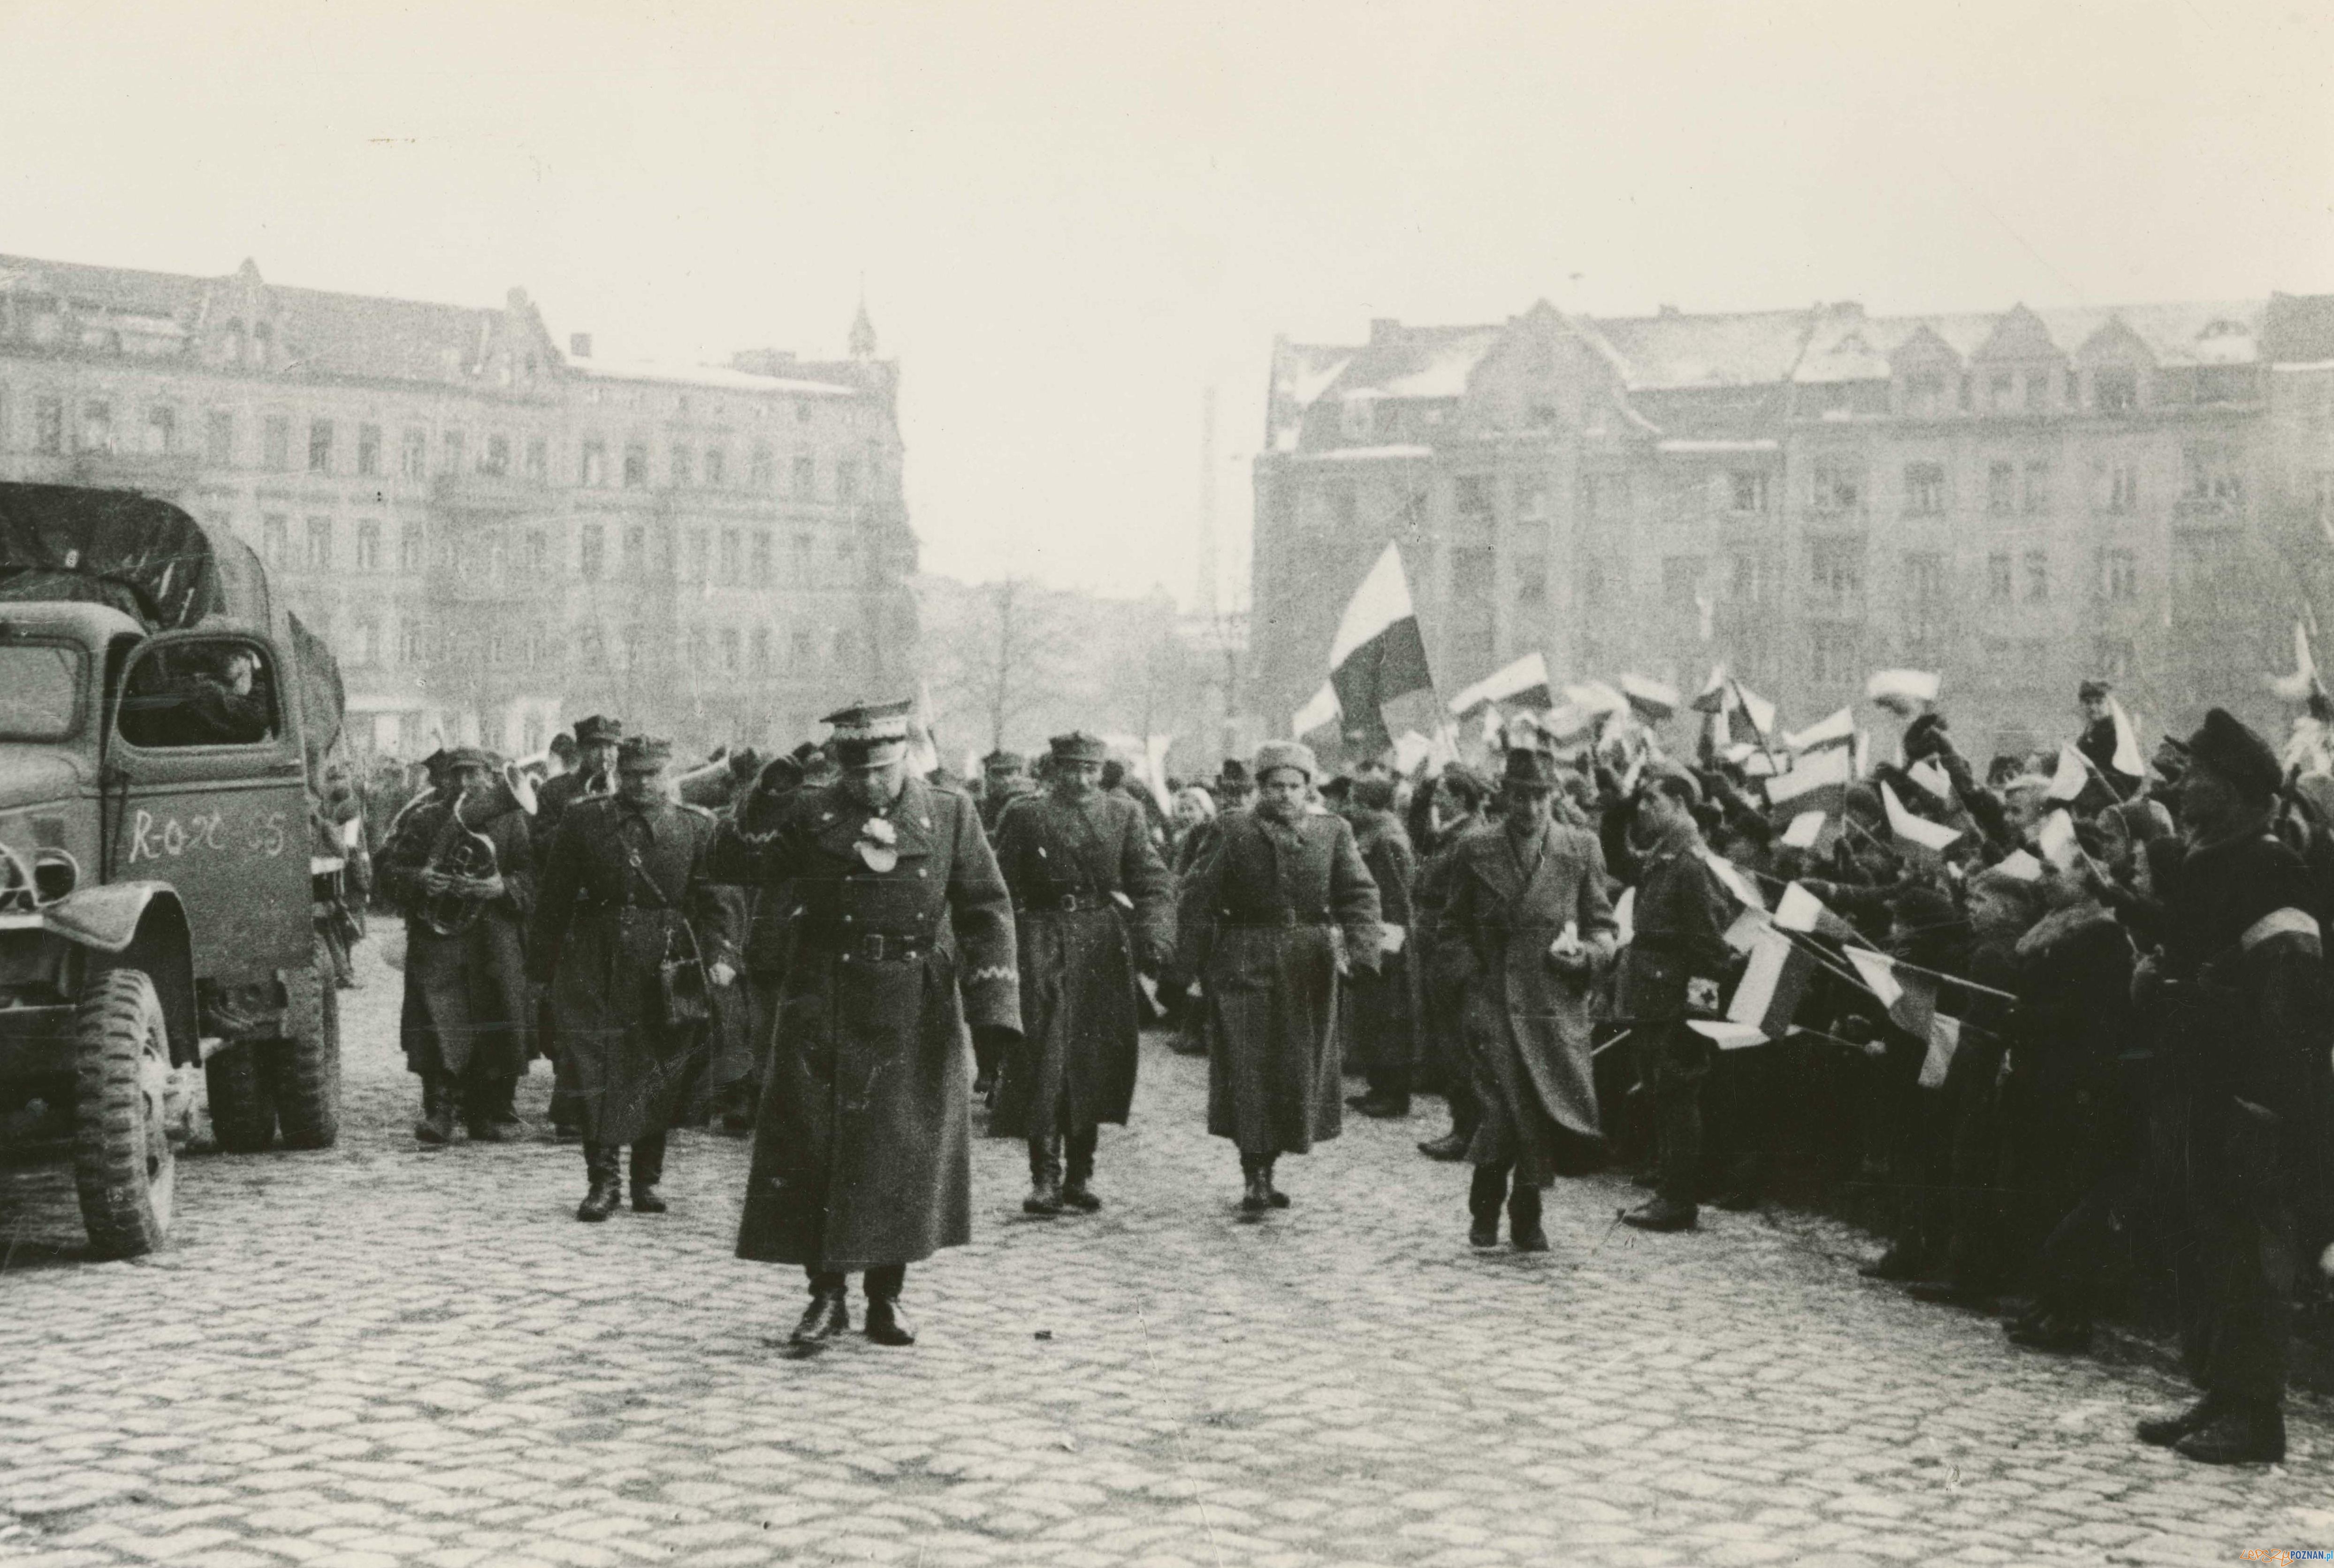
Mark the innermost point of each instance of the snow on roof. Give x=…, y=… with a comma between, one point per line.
x=1677, y=349
x=1441, y=370
x=1363, y=454
x=714, y=376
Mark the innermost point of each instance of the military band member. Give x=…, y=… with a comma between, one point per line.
x=1279, y=910
x=1092, y=907
x=593, y=773
x=622, y=894
x=468, y=1021
x=862, y=1144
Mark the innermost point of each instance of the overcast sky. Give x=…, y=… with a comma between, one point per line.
x=1071, y=219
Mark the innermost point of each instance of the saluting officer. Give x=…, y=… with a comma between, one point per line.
x=1082, y=870
x=863, y=1146
x=622, y=893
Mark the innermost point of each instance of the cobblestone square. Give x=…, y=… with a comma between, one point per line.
x=376, y=1356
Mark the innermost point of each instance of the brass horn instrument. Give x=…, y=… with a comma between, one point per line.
x=461, y=851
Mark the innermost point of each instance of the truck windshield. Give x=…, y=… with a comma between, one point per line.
x=40, y=690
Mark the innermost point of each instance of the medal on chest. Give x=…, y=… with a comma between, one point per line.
x=878, y=845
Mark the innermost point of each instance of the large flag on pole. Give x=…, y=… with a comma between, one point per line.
x=1378, y=654
x=1523, y=683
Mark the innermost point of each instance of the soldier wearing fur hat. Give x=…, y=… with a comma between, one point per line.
x=626, y=927
x=2238, y=983
x=1675, y=964
x=468, y=1021
x=1279, y=911
x=1526, y=922
x=862, y=1144
x=1092, y=907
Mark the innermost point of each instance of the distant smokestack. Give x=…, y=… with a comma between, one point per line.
x=579, y=345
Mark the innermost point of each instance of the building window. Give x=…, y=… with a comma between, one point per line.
x=1470, y=496
x=538, y=551
x=368, y=546
x=49, y=426
x=1747, y=490
x=410, y=544
x=2118, y=574
x=2112, y=658
x=2212, y=477
x=763, y=473
x=845, y=645
x=1924, y=489
x=805, y=478
x=1532, y=586
x=368, y=449
x=717, y=467
x=803, y=649
x=1832, y=656
x=846, y=480
x=319, y=446
x=764, y=572
x=275, y=541
x=591, y=552
x=697, y=649
x=636, y=466
x=700, y=555
x=730, y=641
x=733, y=560
x=2034, y=496
x=1837, y=487
x=496, y=460
x=761, y=651
x=2038, y=577
x=414, y=461
x=1357, y=416
x=2000, y=584
x=1753, y=580
x=1604, y=495
x=636, y=550
x=219, y=438
x=592, y=648
x=1924, y=392
x=97, y=426
x=2115, y=390
x=2038, y=391
x=1531, y=500
x=368, y=641
x=453, y=444
x=161, y=431
x=2000, y=387
x=803, y=558
x=1924, y=577
x=684, y=465
x=319, y=543
x=592, y=471
x=538, y=466
x=2123, y=487
x=1836, y=568
x=409, y=644
x=2000, y=488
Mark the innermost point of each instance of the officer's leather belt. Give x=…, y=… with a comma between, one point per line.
x=1063, y=903
x=857, y=946
x=1270, y=919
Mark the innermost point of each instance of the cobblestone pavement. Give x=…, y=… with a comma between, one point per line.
x=375, y=1356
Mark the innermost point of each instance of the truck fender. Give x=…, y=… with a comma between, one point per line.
x=106, y=917
x=138, y=925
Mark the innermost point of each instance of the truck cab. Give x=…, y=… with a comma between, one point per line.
x=155, y=900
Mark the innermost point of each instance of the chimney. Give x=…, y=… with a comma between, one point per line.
x=1384, y=329
x=579, y=345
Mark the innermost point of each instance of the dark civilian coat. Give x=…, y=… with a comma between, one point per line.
x=862, y=1144
x=622, y=887
x=1262, y=918
x=1527, y=1026
x=1381, y=1022
x=1081, y=1012
x=466, y=995
x=1680, y=922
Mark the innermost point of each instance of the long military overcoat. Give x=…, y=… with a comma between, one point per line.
x=1091, y=905
x=862, y=1143
x=466, y=995
x=1527, y=1025
x=1262, y=918
x=1382, y=1008
x=621, y=889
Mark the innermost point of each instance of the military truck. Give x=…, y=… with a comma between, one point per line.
x=159, y=717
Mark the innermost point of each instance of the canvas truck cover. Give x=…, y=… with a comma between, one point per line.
x=152, y=561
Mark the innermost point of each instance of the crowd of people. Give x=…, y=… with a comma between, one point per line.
x=2062, y=1029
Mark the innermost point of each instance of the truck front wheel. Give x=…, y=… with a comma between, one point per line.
x=122, y=1161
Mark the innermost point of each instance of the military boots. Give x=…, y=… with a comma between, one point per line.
x=437, y=1123
x=1045, y=1176
x=607, y=1188
x=1077, y=1188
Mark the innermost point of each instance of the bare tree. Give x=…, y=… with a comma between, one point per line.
x=998, y=650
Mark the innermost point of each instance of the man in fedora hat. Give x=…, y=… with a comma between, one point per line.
x=624, y=894
x=863, y=1146
x=1092, y=908
x=1526, y=923
x=1277, y=911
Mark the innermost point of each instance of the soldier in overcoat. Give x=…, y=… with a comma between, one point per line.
x=468, y=1021
x=1093, y=907
x=1382, y=1009
x=597, y=737
x=1277, y=912
x=862, y=1145
x=1526, y=922
x=623, y=892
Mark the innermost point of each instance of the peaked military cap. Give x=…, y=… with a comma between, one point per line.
x=1001, y=762
x=1078, y=747
x=642, y=752
x=467, y=757
x=870, y=734
x=599, y=729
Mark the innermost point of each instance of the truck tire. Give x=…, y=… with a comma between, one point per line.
x=303, y=1069
x=122, y=1161
x=243, y=1111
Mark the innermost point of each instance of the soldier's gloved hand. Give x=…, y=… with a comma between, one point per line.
x=720, y=972
x=484, y=887
x=996, y=1038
